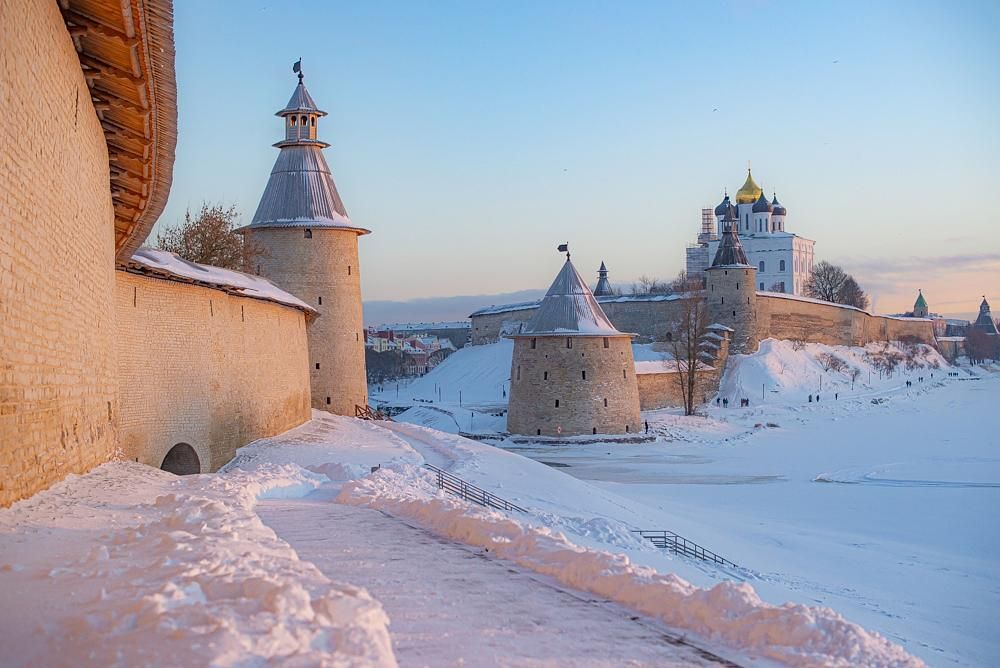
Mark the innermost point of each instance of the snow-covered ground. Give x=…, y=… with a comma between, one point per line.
x=877, y=506
x=877, y=502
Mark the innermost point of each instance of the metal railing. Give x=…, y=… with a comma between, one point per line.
x=369, y=413
x=468, y=492
x=668, y=540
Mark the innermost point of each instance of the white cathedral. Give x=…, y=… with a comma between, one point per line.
x=783, y=260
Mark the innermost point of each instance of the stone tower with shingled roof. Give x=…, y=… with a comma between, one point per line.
x=572, y=372
x=730, y=290
x=310, y=248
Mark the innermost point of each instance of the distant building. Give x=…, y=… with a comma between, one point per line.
x=697, y=254
x=457, y=331
x=985, y=322
x=603, y=288
x=922, y=310
x=783, y=260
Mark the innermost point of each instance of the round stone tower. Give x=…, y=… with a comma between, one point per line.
x=572, y=372
x=730, y=292
x=309, y=246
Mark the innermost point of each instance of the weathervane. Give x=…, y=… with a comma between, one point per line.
x=297, y=68
x=564, y=248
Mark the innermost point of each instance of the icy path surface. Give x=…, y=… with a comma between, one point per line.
x=468, y=608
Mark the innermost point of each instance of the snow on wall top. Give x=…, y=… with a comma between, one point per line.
x=605, y=299
x=663, y=366
x=800, y=298
x=172, y=267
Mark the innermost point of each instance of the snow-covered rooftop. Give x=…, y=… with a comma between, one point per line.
x=569, y=309
x=172, y=267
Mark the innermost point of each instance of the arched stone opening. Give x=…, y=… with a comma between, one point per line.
x=181, y=460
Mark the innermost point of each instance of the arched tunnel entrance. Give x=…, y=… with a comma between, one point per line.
x=181, y=460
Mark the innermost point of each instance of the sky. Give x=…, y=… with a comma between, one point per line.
x=474, y=137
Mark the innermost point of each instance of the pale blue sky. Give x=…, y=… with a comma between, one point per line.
x=472, y=137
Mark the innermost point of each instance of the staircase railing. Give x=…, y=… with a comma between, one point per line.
x=369, y=413
x=668, y=540
x=469, y=492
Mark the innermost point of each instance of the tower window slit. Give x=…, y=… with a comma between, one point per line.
x=534, y=343
x=348, y=270
x=545, y=375
x=605, y=402
x=583, y=374
x=320, y=301
x=308, y=234
x=557, y=403
x=607, y=342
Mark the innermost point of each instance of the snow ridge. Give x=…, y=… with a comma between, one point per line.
x=203, y=581
x=729, y=612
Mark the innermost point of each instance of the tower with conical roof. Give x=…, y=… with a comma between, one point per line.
x=920, y=309
x=603, y=286
x=985, y=322
x=310, y=248
x=730, y=291
x=572, y=371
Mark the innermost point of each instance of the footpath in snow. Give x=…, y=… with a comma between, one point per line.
x=451, y=605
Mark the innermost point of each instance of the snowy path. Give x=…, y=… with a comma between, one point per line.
x=453, y=605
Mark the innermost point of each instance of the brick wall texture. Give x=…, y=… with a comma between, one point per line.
x=57, y=326
x=323, y=267
x=610, y=378
x=199, y=366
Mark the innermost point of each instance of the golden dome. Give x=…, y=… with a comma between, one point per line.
x=750, y=191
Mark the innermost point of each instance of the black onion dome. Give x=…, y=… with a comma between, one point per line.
x=776, y=207
x=762, y=205
x=723, y=207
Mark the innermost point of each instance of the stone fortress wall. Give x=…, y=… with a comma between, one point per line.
x=204, y=367
x=595, y=387
x=644, y=316
x=778, y=316
x=782, y=316
x=57, y=324
x=322, y=270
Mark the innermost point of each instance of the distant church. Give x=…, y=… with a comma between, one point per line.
x=783, y=260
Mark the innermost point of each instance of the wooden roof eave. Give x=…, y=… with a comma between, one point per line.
x=126, y=52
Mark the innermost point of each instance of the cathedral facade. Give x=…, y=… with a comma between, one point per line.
x=783, y=260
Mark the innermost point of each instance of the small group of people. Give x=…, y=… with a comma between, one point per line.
x=719, y=401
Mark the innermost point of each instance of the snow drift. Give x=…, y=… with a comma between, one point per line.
x=729, y=612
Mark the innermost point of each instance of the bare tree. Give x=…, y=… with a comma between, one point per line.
x=684, y=342
x=854, y=373
x=851, y=294
x=831, y=283
x=647, y=285
x=825, y=281
x=209, y=238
